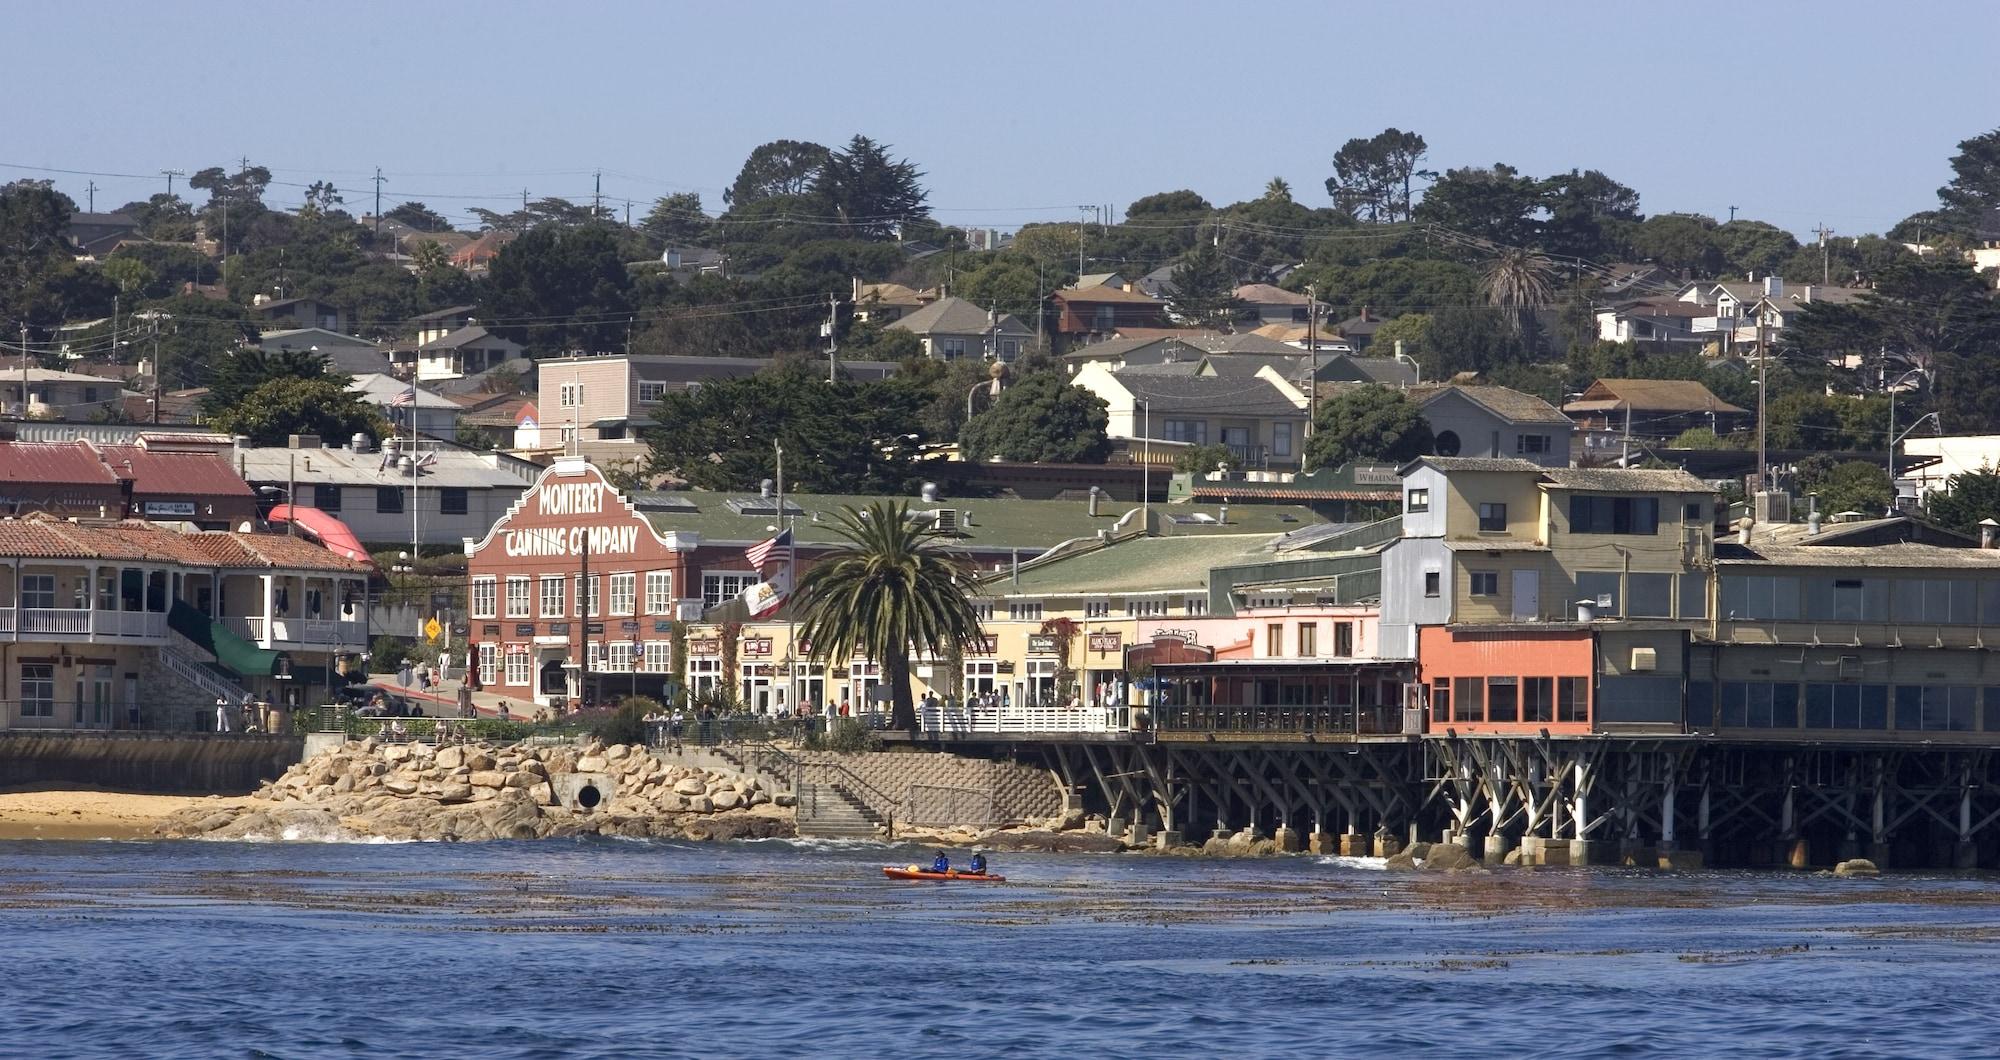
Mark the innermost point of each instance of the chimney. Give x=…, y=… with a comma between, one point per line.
x=857, y=289
x=1094, y=493
x=1743, y=526
x=1812, y=515
x=1989, y=531
x=1367, y=313
x=1774, y=286
x=1222, y=515
x=1806, y=293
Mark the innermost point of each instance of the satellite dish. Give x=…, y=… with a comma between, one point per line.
x=245, y=528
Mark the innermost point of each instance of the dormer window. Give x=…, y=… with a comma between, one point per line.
x=1417, y=500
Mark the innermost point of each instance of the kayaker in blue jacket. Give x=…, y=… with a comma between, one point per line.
x=978, y=865
x=942, y=864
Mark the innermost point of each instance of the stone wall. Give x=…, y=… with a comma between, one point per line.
x=940, y=781
x=145, y=761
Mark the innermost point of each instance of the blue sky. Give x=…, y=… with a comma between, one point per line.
x=1835, y=112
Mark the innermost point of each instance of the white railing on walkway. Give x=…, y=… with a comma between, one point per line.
x=965, y=720
x=84, y=622
x=299, y=630
x=191, y=669
x=54, y=620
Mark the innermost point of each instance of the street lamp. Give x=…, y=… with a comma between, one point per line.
x=1893, y=436
x=1935, y=422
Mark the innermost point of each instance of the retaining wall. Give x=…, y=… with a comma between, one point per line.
x=1018, y=791
x=149, y=762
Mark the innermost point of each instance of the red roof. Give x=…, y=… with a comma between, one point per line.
x=53, y=463
x=40, y=537
x=155, y=473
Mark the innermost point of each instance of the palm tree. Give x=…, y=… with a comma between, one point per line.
x=1519, y=281
x=1278, y=190
x=890, y=591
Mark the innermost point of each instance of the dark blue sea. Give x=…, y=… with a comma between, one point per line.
x=609, y=948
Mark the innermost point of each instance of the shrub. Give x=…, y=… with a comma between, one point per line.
x=387, y=654
x=851, y=734
x=627, y=724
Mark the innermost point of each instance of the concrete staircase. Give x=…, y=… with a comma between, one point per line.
x=826, y=812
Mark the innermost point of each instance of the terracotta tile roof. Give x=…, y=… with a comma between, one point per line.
x=1651, y=395
x=42, y=537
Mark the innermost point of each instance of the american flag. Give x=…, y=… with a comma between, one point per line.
x=760, y=552
x=404, y=398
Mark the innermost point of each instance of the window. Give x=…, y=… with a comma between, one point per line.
x=1010, y=349
x=594, y=604
x=1192, y=431
x=593, y=656
x=1485, y=583
x=983, y=610
x=1759, y=705
x=389, y=500
x=1694, y=595
x=1937, y=708
x=1417, y=501
x=1847, y=706
x=555, y=596
x=650, y=393
x=1600, y=587
x=489, y=657
x=453, y=500
x=1613, y=515
x=1019, y=612
x=950, y=349
x=1760, y=597
x=326, y=498
x=1099, y=608
x=1492, y=518
x=1470, y=699
x=657, y=657
x=1935, y=601
x=90, y=393
x=38, y=590
x=1572, y=699
x=1343, y=639
x=1531, y=444
x=1432, y=581
x=1691, y=513
x=623, y=588
x=485, y=595
x=517, y=669
x=572, y=395
x=1308, y=640
x=659, y=592
x=619, y=656
x=720, y=587
x=1503, y=698
x=517, y=596
x=1649, y=595
x=1195, y=607
x=1538, y=699
x=1144, y=608
x=1281, y=439
x=38, y=691
x=1274, y=639
x=1104, y=319
x=1441, y=699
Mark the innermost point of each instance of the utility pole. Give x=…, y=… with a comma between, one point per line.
x=596, y=193
x=832, y=340
x=1081, y=213
x=1763, y=393
x=378, y=200
x=1732, y=215
x=628, y=213
x=524, y=200
x=156, y=377
x=90, y=190
x=24, y=370
x=1312, y=363
x=170, y=174
x=1825, y=258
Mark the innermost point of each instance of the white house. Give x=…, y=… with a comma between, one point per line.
x=436, y=415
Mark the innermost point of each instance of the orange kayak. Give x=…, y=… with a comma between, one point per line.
x=926, y=874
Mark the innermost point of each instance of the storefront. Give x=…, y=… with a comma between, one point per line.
x=573, y=595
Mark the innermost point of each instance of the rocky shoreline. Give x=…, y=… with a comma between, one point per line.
x=471, y=792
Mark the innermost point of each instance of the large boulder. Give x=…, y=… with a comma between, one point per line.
x=488, y=778
x=726, y=800
x=590, y=764
x=616, y=752
x=450, y=757
x=690, y=786
x=1449, y=857
x=1856, y=867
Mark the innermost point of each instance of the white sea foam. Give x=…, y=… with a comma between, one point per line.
x=1344, y=862
x=304, y=835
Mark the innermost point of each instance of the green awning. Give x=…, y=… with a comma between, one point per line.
x=237, y=655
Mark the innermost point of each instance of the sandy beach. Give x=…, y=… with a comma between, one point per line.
x=92, y=814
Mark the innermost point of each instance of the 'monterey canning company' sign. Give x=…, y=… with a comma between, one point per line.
x=567, y=500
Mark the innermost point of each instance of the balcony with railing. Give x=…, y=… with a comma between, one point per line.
x=300, y=632
x=82, y=623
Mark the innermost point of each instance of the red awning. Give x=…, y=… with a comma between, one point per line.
x=329, y=531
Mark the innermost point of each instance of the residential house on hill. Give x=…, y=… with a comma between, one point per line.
x=610, y=398
x=96, y=235
x=44, y=393
x=1388, y=371
x=1087, y=314
x=1360, y=328
x=290, y=314
x=435, y=416
x=1495, y=422
x=1663, y=321
x=477, y=256
x=1321, y=338
x=468, y=351
x=345, y=354
x=1259, y=304
x=1652, y=409
x=1261, y=418
x=951, y=328
x=886, y=303
x=439, y=323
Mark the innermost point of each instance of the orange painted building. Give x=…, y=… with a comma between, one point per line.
x=1509, y=680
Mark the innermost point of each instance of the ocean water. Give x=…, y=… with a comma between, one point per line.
x=641, y=948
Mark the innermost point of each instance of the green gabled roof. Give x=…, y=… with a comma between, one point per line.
x=1135, y=565
x=985, y=523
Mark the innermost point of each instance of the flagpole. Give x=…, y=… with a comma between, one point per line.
x=791, y=625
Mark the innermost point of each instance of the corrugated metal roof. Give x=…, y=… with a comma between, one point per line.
x=53, y=463
x=153, y=473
